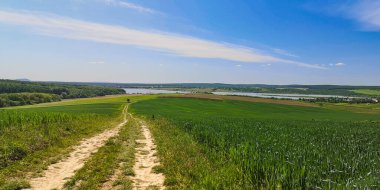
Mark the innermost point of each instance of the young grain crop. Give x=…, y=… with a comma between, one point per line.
x=244, y=145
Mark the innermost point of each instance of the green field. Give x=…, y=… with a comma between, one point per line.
x=227, y=144
x=367, y=92
x=33, y=137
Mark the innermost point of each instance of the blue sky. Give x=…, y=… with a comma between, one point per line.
x=253, y=41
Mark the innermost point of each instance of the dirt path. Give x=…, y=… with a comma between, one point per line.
x=146, y=159
x=57, y=174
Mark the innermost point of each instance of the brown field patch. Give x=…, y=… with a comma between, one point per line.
x=245, y=98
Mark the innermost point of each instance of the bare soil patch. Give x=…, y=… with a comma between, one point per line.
x=248, y=99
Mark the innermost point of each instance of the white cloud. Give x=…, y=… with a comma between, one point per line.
x=340, y=64
x=284, y=52
x=238, y=65
x=367, y=13
x=186, y=46
x=129, y=5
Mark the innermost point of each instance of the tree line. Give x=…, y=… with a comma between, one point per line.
x=26, y=98
x=372, y=100
x=13, y=93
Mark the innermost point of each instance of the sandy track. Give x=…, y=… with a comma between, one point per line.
x=57, y=174
x=109, y=184
x=146, y=159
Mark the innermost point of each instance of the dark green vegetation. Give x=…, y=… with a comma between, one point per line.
x=33, y=137
x=56, y=91
x=117, y=155
x=363, y=100
x=26, y=98
x=216, y=144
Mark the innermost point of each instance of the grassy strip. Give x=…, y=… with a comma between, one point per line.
x=106, y=161
x=182, y=159
x=82, y=101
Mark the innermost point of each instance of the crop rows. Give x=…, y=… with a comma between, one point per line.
x=293, y=155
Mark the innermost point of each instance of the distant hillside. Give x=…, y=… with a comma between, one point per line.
x=14, y=92
x=63, y=90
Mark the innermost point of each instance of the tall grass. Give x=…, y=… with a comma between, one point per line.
x=22, y=133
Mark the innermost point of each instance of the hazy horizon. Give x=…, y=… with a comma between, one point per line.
x=300, y=84
x=239, y=42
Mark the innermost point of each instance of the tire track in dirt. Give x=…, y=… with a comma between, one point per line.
x=146, y=159
x=57, y=174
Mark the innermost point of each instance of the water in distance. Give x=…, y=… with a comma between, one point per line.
x=151, y=91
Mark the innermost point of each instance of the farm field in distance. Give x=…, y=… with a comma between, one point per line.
x=230, y=144
x=367, y=92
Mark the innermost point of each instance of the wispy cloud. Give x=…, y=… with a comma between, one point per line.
x=128, y=5
x=366, y=12
x=339, y=64
x=284, y=52
x=165, y=42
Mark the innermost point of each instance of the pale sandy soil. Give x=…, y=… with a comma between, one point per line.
x=146, y=159
x=108, y=185
x=57, y=174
